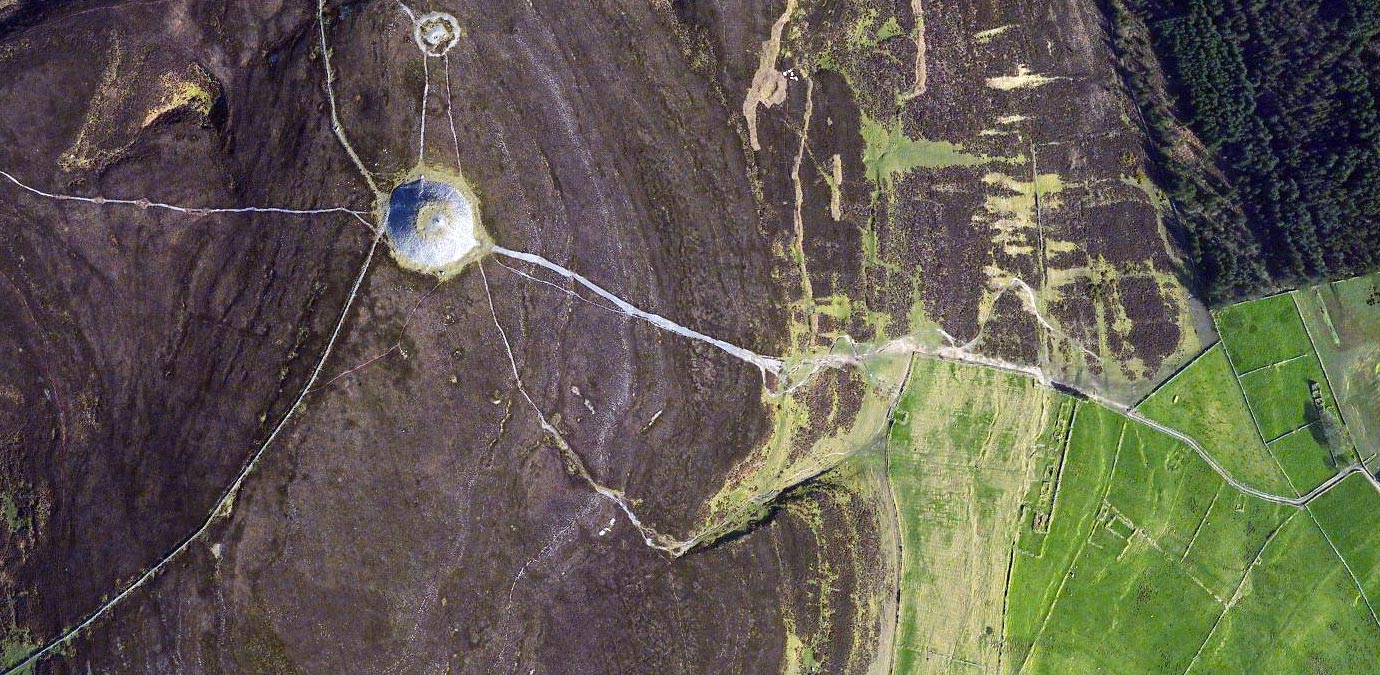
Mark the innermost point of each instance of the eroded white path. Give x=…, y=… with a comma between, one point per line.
x=765, y=363
x=188, y=210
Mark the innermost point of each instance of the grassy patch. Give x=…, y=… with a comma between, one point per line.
x=1262, y=332
x=1347, y=513
x=1035, y=581
x=1230, y=536
x=889, y=29
x=9, y=513
x=890, y=153
x=1281, y=395
x=1162, y=487
x=1306, y=458
x=1022, y=79
x=1205, y=402
x=15, y=645
x=1344, y=320
x=1297, y=611
x=14, y=515
x=963, y=453
x=1129, y=597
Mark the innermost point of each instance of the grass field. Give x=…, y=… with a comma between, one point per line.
x=1037, y=579
x=1130, y=595
x=1153, y=563
x=1306, y=457
x=1269, y=347
x=1347, y=513
x=1281, y=375
x=1162, y=487
x=1261, y=378
x=1343, y=318
x=967, y=444
x=1205, y=402
x=1280, y=395
x=1262, y=332
x=1296, y=610
x=1230, y=536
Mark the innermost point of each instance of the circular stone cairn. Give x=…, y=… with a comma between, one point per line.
x=433, y=226
x=436, y=33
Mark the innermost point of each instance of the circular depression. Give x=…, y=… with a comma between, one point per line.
x=436, y=33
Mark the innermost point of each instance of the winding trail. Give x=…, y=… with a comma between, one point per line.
x=1226, y=476
x=910, y=345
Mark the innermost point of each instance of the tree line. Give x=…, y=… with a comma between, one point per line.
x=1265, y=124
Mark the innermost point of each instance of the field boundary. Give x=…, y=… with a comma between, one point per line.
x=1189, y=364
x=1313, y=350
x=1082, y=545
x=1236, y=594
x=1202, y=521
x=1276, y=363
x=1236, y=377
x=1059, y=472
x=1345, y=565
x=1332, y=391
x=1291, y=432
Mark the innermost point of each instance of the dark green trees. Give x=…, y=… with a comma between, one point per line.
x=1283, y=96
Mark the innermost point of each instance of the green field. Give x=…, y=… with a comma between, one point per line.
x=1120, y=548
x=1306, y=457
x=1269, y=346
x=1296, y=610
x=966, y=446
x=1229, y=538
x=1135, y=587
x=1268, y=394
x=1344, y=319
x=1205, y=402
x=1280, y=395
x=1347, y=513
x=1036, y=580
x=1129, y=594
x=1262, y=332
x=1154, y=563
